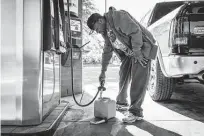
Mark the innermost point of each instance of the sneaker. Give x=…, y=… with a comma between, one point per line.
x=130, y=118
x=120, y=107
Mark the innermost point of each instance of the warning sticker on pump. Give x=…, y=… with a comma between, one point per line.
x=75, y=25
x=198, y=30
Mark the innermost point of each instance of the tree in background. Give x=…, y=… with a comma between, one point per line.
x=91, y=52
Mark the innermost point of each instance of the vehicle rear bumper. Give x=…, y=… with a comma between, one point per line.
x=177, y=65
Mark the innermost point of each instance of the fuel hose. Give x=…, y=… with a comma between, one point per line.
x=72, y=87
x=72, y=71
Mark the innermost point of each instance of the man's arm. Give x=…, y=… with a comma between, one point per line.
x=107, y=54
x=127, y=25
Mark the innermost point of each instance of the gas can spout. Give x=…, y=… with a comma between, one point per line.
x=101, y=93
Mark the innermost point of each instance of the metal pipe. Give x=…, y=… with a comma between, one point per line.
x=105, y=6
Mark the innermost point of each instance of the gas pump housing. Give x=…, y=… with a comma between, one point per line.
x=76, y=38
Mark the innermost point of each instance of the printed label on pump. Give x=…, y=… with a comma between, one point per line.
x=75, y=25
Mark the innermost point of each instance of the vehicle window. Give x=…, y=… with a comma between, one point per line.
x=144, y=21
x=163, y=9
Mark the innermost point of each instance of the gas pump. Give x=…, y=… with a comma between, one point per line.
x=74, y=54
x=31, y=46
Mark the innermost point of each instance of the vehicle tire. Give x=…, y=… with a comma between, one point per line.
x=160, y=87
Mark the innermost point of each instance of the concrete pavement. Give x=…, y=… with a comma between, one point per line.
x=183, y=115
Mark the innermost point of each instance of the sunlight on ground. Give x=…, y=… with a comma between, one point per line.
x=135, y=130
x=90, y=89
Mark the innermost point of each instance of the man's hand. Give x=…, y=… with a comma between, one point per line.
x=102, y=76
x=142, y=60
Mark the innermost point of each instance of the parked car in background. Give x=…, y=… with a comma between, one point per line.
x=178, y=27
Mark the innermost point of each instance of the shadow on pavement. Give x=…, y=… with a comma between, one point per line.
x=152, y=129
x=76, y=122
x=140, y=128
x=187, y=100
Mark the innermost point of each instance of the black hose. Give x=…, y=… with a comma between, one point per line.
x=72, y=72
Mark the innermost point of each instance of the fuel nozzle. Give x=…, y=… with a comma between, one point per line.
x=101, y=88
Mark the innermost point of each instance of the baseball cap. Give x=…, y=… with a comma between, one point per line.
x=92, y=20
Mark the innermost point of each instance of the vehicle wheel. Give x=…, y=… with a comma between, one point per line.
x=160, y=87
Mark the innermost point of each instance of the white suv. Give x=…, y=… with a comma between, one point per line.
x=178, y=27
